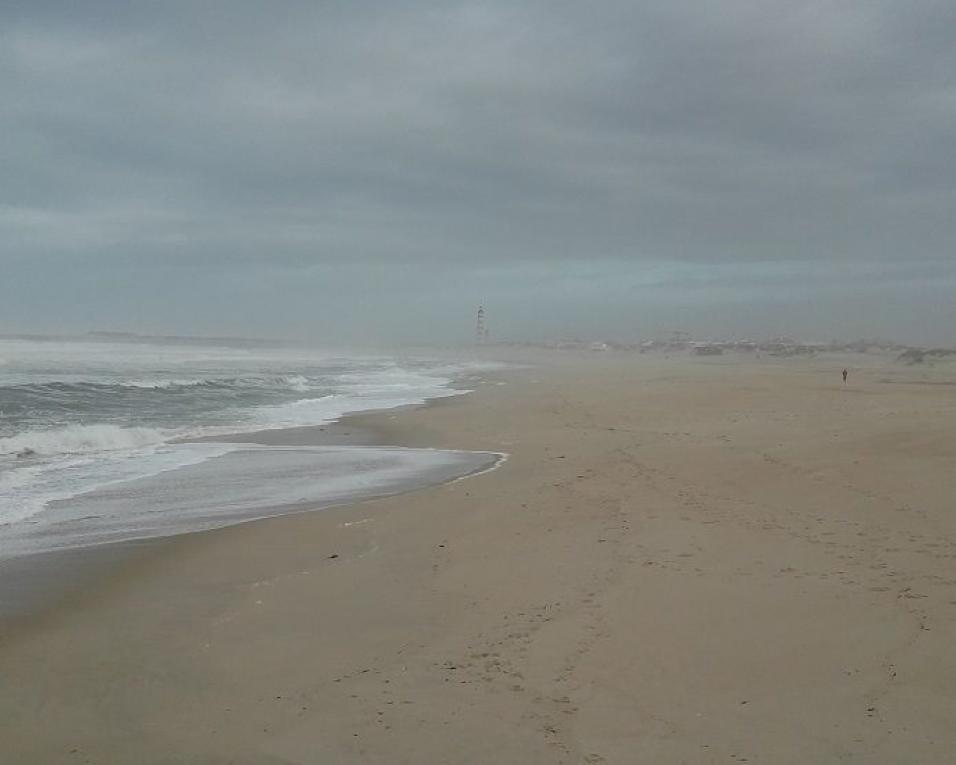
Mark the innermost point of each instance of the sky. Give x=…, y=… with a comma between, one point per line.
x=347, y=172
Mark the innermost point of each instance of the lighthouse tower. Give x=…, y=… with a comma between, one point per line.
x=481, y=329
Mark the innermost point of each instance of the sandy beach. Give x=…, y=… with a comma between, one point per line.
x=681, y=561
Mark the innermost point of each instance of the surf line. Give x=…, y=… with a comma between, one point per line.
x=500, y=459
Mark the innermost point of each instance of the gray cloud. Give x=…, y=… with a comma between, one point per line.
x=541, y=154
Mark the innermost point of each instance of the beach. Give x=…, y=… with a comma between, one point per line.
x=681, y=560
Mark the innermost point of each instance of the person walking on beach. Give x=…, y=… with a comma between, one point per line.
x=844, y=376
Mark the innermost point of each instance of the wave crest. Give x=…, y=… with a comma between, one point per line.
x=80, y=439
x=295, y=382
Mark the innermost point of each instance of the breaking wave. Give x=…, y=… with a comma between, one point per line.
x=81, y=439
x=77, y=417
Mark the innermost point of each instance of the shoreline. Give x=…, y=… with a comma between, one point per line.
x=681, y=561
x=41, y=580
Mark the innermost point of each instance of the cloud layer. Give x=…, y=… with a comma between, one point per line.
x=377, y=168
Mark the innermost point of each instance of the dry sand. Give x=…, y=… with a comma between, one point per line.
x=683, y=561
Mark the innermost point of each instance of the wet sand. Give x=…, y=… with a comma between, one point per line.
x=35, y=582
x=682, y=560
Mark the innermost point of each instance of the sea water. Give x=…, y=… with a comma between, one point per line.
x=92, y=435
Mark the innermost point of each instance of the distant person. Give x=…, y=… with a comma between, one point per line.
x=844, y=376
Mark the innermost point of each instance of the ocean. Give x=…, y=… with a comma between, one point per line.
x=96, y=435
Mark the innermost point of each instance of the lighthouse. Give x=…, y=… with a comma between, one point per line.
x=481, y=329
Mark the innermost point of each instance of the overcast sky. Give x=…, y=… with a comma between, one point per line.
x=346, y=171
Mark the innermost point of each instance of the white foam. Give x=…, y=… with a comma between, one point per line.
x=81, y=439
x=386, y=389
x=247, y=483
x=27, y=490
x=298, y=383
x=18, y=498
x=164, y=383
